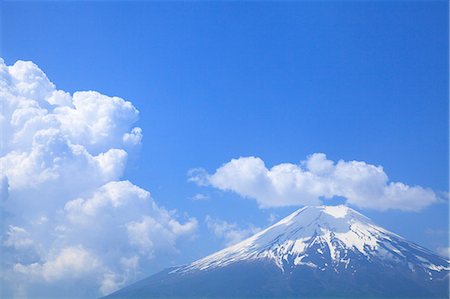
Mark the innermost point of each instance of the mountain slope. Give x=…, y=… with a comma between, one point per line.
x=327, y=251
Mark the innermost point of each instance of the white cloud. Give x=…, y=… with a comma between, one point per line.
x=70, y=263
x=68, y=214
x=272, y=218
x=198, y=176
x=151, y=233
x=307, y=183
x=199, y=197
x=444, y=251
x=18, y=238
x=230, y=232
x=109, y=200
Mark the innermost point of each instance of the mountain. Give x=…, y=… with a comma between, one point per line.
x=316, y=252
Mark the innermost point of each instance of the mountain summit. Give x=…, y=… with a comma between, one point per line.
x=322, y=252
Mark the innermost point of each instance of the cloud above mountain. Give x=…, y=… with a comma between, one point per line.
x=67, y=213
x=314, y=179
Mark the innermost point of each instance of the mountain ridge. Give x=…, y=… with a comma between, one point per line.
x=351, y=231
x=315, y=251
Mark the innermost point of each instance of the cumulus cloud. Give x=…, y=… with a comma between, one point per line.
x=70, y=262
x=314, y=179
x=229, y=231
x=68, y=215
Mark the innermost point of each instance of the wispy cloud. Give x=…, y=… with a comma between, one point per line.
x=62, y=157
x=361, y=184
x=230, y=231
x=444, y=251
x=199, y=197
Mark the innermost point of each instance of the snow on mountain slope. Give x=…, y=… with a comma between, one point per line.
x=316, y=252
x=323, y=237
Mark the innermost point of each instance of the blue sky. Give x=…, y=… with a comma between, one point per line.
x=364, y=81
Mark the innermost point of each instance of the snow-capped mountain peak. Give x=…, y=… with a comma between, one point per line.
x=323, y=237
x=325, y=251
